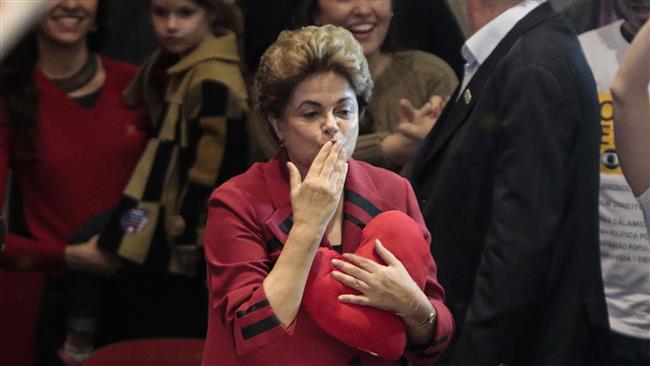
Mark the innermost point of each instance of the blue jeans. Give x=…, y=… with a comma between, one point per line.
x=630, y=351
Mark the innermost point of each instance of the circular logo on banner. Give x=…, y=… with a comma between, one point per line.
x=610, y=159
x=134, y=220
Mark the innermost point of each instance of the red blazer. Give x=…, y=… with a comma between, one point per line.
x=249, y=218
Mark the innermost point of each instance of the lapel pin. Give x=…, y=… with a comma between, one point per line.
x=467, y=96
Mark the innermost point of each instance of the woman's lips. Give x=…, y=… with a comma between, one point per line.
x=361, y=31
x=67, y=22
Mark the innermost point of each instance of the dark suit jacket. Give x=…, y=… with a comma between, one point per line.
x=508, y=186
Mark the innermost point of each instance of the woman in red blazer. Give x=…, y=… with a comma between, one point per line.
x=280, y=292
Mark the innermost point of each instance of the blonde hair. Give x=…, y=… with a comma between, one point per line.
x=297, y=54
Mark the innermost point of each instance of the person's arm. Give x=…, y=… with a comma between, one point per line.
x=394, y=148
x=529, y=185
x=415, y=122
x=314, y=201
x=254, y=293
x=18, y=252
x=632, y=112
x=390, y=287
x=213, y=109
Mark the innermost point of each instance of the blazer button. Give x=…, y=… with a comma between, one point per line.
x=502, y=364
x=423, y=202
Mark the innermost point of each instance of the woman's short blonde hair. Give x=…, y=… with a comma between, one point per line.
x=297, y=54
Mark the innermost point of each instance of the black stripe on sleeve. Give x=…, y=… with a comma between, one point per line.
x=157, y=126
x=260, y=327
x=354, y=220
x=159, y=168
x=253, y=307
x=192, y=207
x=363, y=203
x=287, y=224
x=214, y=99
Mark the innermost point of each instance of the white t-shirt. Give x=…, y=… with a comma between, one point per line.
x=624, y=243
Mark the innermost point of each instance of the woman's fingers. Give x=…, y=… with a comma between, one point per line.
x=366, y=264
x=294, y=177
x=329, y=165
x=437, y=104
x=340, y=170
x=407, y=113
x=317, y=165
x=354, y=299
x=388, y=257
x=351, y=269
x=350, y=281
x=426, y=109
x=342, y=174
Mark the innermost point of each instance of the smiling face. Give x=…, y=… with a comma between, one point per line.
x=68, y=22
x=180, y=24
x=322, y=108
x=367, y=20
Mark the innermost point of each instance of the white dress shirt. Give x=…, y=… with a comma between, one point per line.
x=481, y=44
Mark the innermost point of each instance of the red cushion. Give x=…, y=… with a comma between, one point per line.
x=369, y=329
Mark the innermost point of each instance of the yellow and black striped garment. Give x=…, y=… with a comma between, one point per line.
x=198, y=141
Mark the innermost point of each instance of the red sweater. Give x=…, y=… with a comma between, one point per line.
x=85, y=158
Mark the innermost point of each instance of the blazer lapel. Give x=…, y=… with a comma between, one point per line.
x=279, y=223
x=362, y=203
x=456, y=112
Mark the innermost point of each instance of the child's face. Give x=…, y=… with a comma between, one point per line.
x=180, y=24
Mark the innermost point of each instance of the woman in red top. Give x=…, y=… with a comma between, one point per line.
x=70, y=142
x=269, y=225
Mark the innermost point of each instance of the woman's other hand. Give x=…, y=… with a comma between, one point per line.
x=315, y=199
x=387, y=287
x=87, y=257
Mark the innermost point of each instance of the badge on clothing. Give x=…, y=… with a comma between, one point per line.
x=134, y=220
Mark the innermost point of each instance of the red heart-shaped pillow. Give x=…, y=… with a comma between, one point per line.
x=366, y=328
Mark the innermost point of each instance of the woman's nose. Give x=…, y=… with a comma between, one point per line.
x=331, y=125
x=68, y=4
x=362, y=7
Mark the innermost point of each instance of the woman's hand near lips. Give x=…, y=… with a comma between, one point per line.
x=315, y=198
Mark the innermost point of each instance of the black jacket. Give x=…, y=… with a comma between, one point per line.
x=508, y=185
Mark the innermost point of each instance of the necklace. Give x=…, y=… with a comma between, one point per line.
x=80, y=78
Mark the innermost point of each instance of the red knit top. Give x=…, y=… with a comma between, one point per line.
x=84, y=159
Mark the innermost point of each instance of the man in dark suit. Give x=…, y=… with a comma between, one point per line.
x=508, y=185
